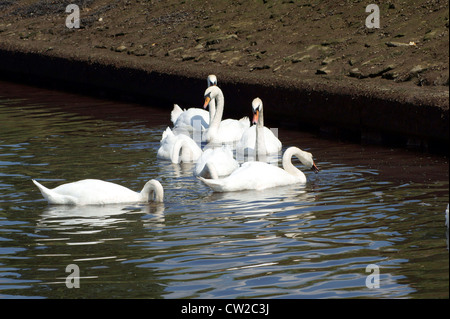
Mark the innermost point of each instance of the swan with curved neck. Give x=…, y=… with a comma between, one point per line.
x=226, y=131
x=259, y=175
x=178, y=148
x=258, y=139
x=186, y=121
x=215, y=163
x=98, y=192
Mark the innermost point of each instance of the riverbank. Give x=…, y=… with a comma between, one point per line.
x=315, y=64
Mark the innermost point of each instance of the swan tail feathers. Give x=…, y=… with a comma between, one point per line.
x=176, y=112
x=245, y=121
x=53, y=198
x=44, y=190
x=166, y=133
x=214, y=184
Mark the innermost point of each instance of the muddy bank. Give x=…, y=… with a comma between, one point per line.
x=315, y=64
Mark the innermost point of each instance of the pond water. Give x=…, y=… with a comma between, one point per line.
x=368, y=205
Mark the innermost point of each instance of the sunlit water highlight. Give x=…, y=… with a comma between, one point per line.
x=368, y=205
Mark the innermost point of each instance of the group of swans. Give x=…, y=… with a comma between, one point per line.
x=215, y=164
x=191, y=127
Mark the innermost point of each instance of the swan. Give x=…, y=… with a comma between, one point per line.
x=178, y=148
x=215, y=163
x=184, y=121
x=211, y=80
x=226, y=131
x=258, y=137
x=98, y=192
x=256, y=175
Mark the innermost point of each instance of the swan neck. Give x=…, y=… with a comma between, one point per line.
x=260, y=143
x=219, y=102
x=287, y=160
x=153, y=187
x=180, y=147
x=212, y=170
x=175, y=155
x=304, y=157
x=260, y=122
x=212, y=110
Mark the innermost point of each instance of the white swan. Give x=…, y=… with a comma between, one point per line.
x=215, y=163
x=226, y=131
x=178, y=148
x=186, y=121
x=259, y=175
x=98, y=192
x=258, y=137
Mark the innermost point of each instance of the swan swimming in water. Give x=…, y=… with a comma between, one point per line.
x=184, y=120
x=215, y=163
x=260, y=175
x=178, y=148
x=98, y=192
x=258, y=140
x=226, y=131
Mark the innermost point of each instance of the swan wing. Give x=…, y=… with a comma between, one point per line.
x=221, y=158
x=248, y=140
x=171, y=143
x=192, y=117
x=175, y=114
x=166, y=143
x=224, y=161
x=98, y=192
x=273, y=144
x=245, y=122
x=252, y=176
x=229, y=131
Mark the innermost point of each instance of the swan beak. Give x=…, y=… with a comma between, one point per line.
x=255, y=117
x=314, y=168
x=207, y=100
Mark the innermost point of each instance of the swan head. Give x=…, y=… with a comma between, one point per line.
x=306, y=158
x=210, y=94
x=212, y=80
x=256, y=108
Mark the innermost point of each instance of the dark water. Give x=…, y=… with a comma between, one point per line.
x=368, y=205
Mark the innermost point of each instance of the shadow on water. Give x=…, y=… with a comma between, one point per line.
x=368, y=205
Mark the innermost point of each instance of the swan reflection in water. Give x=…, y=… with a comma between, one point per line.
x=69, y=217
x=271, y=203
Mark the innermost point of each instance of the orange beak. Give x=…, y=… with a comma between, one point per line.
x=207, y=100
x=255, y=117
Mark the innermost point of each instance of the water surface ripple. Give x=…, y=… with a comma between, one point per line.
x=368, y=205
